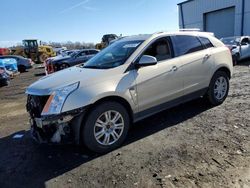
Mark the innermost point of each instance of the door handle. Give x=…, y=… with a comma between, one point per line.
x=174, y=68
x=206, y=57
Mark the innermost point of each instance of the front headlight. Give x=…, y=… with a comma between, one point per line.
x=57, y=98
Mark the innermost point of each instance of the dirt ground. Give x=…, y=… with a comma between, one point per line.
x=192, y=145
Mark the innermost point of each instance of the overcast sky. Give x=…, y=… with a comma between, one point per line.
x=83, y=20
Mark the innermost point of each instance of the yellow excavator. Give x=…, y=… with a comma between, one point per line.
x=106, y=39
x=32, y=50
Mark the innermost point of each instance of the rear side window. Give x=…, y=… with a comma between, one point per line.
x=186, y=44
x=92, y=52
x=206, y=42
x=82, y=54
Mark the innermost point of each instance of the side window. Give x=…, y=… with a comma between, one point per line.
x=206, y=42
x=48, y=50
x=186, y=44
x=160, y=49
x=245, y=40
x=92, y=52
x=82, y=54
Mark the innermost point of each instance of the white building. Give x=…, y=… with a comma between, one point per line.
x=222, y=17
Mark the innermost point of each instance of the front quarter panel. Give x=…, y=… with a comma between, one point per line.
x=118, y=85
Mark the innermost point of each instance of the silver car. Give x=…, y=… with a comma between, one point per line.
x=240, y=47
x=96, y=103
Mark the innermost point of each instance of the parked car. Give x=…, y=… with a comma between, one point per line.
x=75, y=58
x=4, y=51
x=239, y=46
x=49, y=66
x=22, y=63
x=131, y=79
x=4, y=76
x=10, y=65
x=58, y=50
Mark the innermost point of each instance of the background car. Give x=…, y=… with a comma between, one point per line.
x=4, y=76
x=239, y=46
x=74, y=58
x=4, y=51
x=22, y=63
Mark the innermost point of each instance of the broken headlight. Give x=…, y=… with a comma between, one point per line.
x=57, y=98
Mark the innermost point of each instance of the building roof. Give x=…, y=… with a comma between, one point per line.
x=184, y=2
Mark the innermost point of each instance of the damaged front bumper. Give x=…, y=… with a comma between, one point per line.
x=64, y=128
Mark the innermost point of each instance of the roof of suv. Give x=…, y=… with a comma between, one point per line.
x=147, y=36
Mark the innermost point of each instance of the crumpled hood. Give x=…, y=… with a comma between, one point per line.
x=48, y=84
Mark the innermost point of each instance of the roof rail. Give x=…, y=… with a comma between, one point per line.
x=190, y=29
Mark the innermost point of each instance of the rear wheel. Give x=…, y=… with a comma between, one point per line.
x=21, y=68
x=106, y=127
x=63, y=66
x=218, y=88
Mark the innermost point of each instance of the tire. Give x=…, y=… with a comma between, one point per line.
x=236, y=59
x=63, y=66
x=219, y=98
x=21, y=68
x=92, y=128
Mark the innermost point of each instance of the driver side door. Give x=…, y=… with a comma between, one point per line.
x=161, y=83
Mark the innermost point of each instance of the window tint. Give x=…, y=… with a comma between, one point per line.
x=160, y=49
x=82, y=54
x=186, y=44
x=245, y=40
x=92, y=52
x=206, y=42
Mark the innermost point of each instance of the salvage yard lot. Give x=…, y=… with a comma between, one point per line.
x=192, y=145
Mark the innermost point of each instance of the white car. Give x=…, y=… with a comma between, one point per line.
x=135, y=77
x=240, y=47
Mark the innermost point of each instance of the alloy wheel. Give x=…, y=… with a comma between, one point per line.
x=220, y=88
x=108, y=127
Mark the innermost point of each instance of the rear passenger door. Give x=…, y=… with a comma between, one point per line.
x=196, y=61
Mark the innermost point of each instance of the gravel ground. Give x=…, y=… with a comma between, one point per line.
x=192, y=145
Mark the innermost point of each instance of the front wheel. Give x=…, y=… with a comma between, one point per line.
x=218, y=88
x=106, y=127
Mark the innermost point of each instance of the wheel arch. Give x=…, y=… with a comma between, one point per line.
x=226, y=70
x=112, y=98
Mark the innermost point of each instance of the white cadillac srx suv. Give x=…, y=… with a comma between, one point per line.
x=95, y=103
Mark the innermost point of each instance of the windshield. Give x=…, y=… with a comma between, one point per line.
x=73, y=53
x=231, y=40
x=114, y=55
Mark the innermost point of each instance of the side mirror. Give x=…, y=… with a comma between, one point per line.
x=147, y=60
